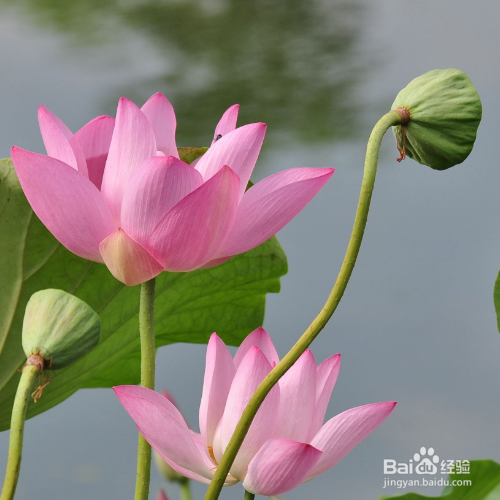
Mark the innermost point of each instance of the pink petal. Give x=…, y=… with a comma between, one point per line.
x=262, y=340
x=342, y=433
x=297, y=399
x=48, y=115
x=227, y=123
x=158, y=421
x=155, y=187
x=133, y=141
x=161, y=495
x=192, y=232
x=270, y=205
x=94, y=140
x=219, y=374
x=128, y=261
x=59, y=141
x=252, y=370
x=238, y=149
x=327, y=373
x=67, y=203
x=161, y=116
x=279, y=466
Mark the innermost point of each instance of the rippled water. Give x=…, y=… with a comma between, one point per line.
x=417, y=323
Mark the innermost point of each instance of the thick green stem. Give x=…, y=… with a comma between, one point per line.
x=372, y=150
x=185, y=488
x=147, y=334
x=29, y=373
x=248, y=496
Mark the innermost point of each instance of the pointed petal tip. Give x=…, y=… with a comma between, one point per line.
x=160, y=95
x=309, y=354
x=215, y=338
x=334, y=359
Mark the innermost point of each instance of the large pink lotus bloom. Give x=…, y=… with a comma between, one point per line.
x=116, y=191
x=287, y=443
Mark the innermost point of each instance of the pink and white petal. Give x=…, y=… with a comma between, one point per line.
x=252, y=370
x=260, y=338
x=342, y=433
x=279, y=466
x=155, y=187
x=219, y=374
x=297, y=399
x=94, y=140
x=327, y=373
x=155, y=397
x=227, y=123
x=161, y=428
x=69, y=205
x=127, y=260
x=193, y=230
x=238, y=149
x=161, y=116
x=132, y=142
x=230, y=481
x=59, y=141
x=270, y=204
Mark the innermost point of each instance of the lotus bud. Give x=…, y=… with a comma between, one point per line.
x=161, y=495
x=59, y=327
x=440, y=112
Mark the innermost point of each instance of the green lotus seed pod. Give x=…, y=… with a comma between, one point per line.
x=444, y=111
x=59, y=327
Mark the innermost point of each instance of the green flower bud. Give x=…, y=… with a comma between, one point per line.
x=59, y=327
x=441, y=111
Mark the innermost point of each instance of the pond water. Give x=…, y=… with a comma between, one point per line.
x=417, y=323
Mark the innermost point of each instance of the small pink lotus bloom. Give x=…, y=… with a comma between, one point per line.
x=161, y=495
x=116, y=192
x=287, y=443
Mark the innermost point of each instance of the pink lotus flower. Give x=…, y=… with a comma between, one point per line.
x=287, y=443
x=161, y=495
x=116, y=191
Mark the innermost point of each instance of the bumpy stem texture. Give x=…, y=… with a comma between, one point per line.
x=390, y=119
x=147, y=334
x=17, y=431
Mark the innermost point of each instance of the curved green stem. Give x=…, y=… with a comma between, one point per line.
x=372, y=150
x=248, y=496
x=185, y=488
x=29, y=373
x=147, y=334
